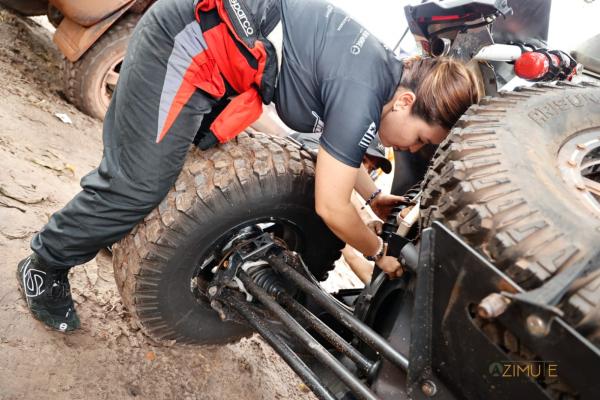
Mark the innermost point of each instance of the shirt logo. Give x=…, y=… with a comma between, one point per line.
x=329, y=11
x=319, y=125
x=343, y=23
x=242, y=17
x=360, y=42
x=368, y=136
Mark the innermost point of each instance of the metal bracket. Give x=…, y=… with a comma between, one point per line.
x=547, y=296
x=253, y=250
x=395, y=245
x=451, y=347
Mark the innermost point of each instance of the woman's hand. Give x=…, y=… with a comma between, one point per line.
x=376, y=226
x=391, y=266
x=382, y=205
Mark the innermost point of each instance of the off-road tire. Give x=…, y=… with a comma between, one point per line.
x=252, y=177
x=84, y=77
x=496, y=182
x=26, y=8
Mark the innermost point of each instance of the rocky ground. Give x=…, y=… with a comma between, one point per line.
x=42, y=160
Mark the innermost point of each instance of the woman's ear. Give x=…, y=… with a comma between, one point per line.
x=403, y=100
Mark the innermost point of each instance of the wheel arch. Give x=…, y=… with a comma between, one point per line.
x=74, y=39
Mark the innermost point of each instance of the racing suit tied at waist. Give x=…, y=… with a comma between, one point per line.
x=243, y=57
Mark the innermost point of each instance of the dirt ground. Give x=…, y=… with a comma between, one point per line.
x=42, y=160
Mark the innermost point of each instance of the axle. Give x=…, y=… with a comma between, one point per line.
x=263, y=271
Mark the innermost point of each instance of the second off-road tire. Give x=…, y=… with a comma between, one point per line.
x=27, y=8
x=254, y=177
x=496, y=182
x=84, y=78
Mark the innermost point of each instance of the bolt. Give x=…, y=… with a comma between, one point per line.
x=212, y=291
x=428, y=388
x=580, y=186
x=581, y=146
x=215, y=305
x=536, y=326
x=572, y=163
x=492, y=306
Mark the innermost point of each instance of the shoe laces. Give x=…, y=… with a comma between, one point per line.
x=59, y=285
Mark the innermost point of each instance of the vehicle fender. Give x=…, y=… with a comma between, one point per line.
x=88, y=13
x=74, y=39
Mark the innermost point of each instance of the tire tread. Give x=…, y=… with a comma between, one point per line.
x=469, y=188
x=77, y=73
x=226, y=173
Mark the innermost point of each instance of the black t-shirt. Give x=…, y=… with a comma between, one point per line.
x=335, y=78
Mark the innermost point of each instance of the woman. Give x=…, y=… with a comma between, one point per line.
x=197, y=71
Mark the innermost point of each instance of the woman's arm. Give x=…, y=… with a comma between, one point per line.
x=383, y=203
x=364, y=183
x=334, y=184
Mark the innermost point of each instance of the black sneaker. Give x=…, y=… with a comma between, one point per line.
x=47, y=293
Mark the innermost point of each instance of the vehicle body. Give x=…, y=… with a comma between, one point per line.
x=500, y=246
x=93, y=37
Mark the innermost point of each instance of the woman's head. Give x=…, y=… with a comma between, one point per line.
x=432, y=95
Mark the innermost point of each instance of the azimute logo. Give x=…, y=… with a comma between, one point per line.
x=242, y=17
x=531, y=369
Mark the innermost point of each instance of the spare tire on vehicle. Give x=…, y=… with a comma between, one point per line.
x=519, y=179
x=254, y=183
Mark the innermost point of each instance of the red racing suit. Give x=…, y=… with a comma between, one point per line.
x=238, y=57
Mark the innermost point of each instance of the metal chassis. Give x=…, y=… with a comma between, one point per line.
x=449, y=356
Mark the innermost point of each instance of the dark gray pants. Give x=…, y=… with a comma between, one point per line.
x=135, y=173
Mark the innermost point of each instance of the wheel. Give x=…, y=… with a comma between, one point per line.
x=519, y=179
x=91, y=80
x=256, y=183
x=27, y=8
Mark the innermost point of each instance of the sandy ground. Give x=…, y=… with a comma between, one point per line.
x=41, y=162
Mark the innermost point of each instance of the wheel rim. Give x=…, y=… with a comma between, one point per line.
x=109, y=82
x=283, y=231
x=579, y=160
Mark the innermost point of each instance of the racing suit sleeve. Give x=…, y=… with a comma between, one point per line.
x=240, y=113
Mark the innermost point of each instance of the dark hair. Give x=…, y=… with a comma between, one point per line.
x=444, y=89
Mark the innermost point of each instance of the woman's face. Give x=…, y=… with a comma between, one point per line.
x=403, y=131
